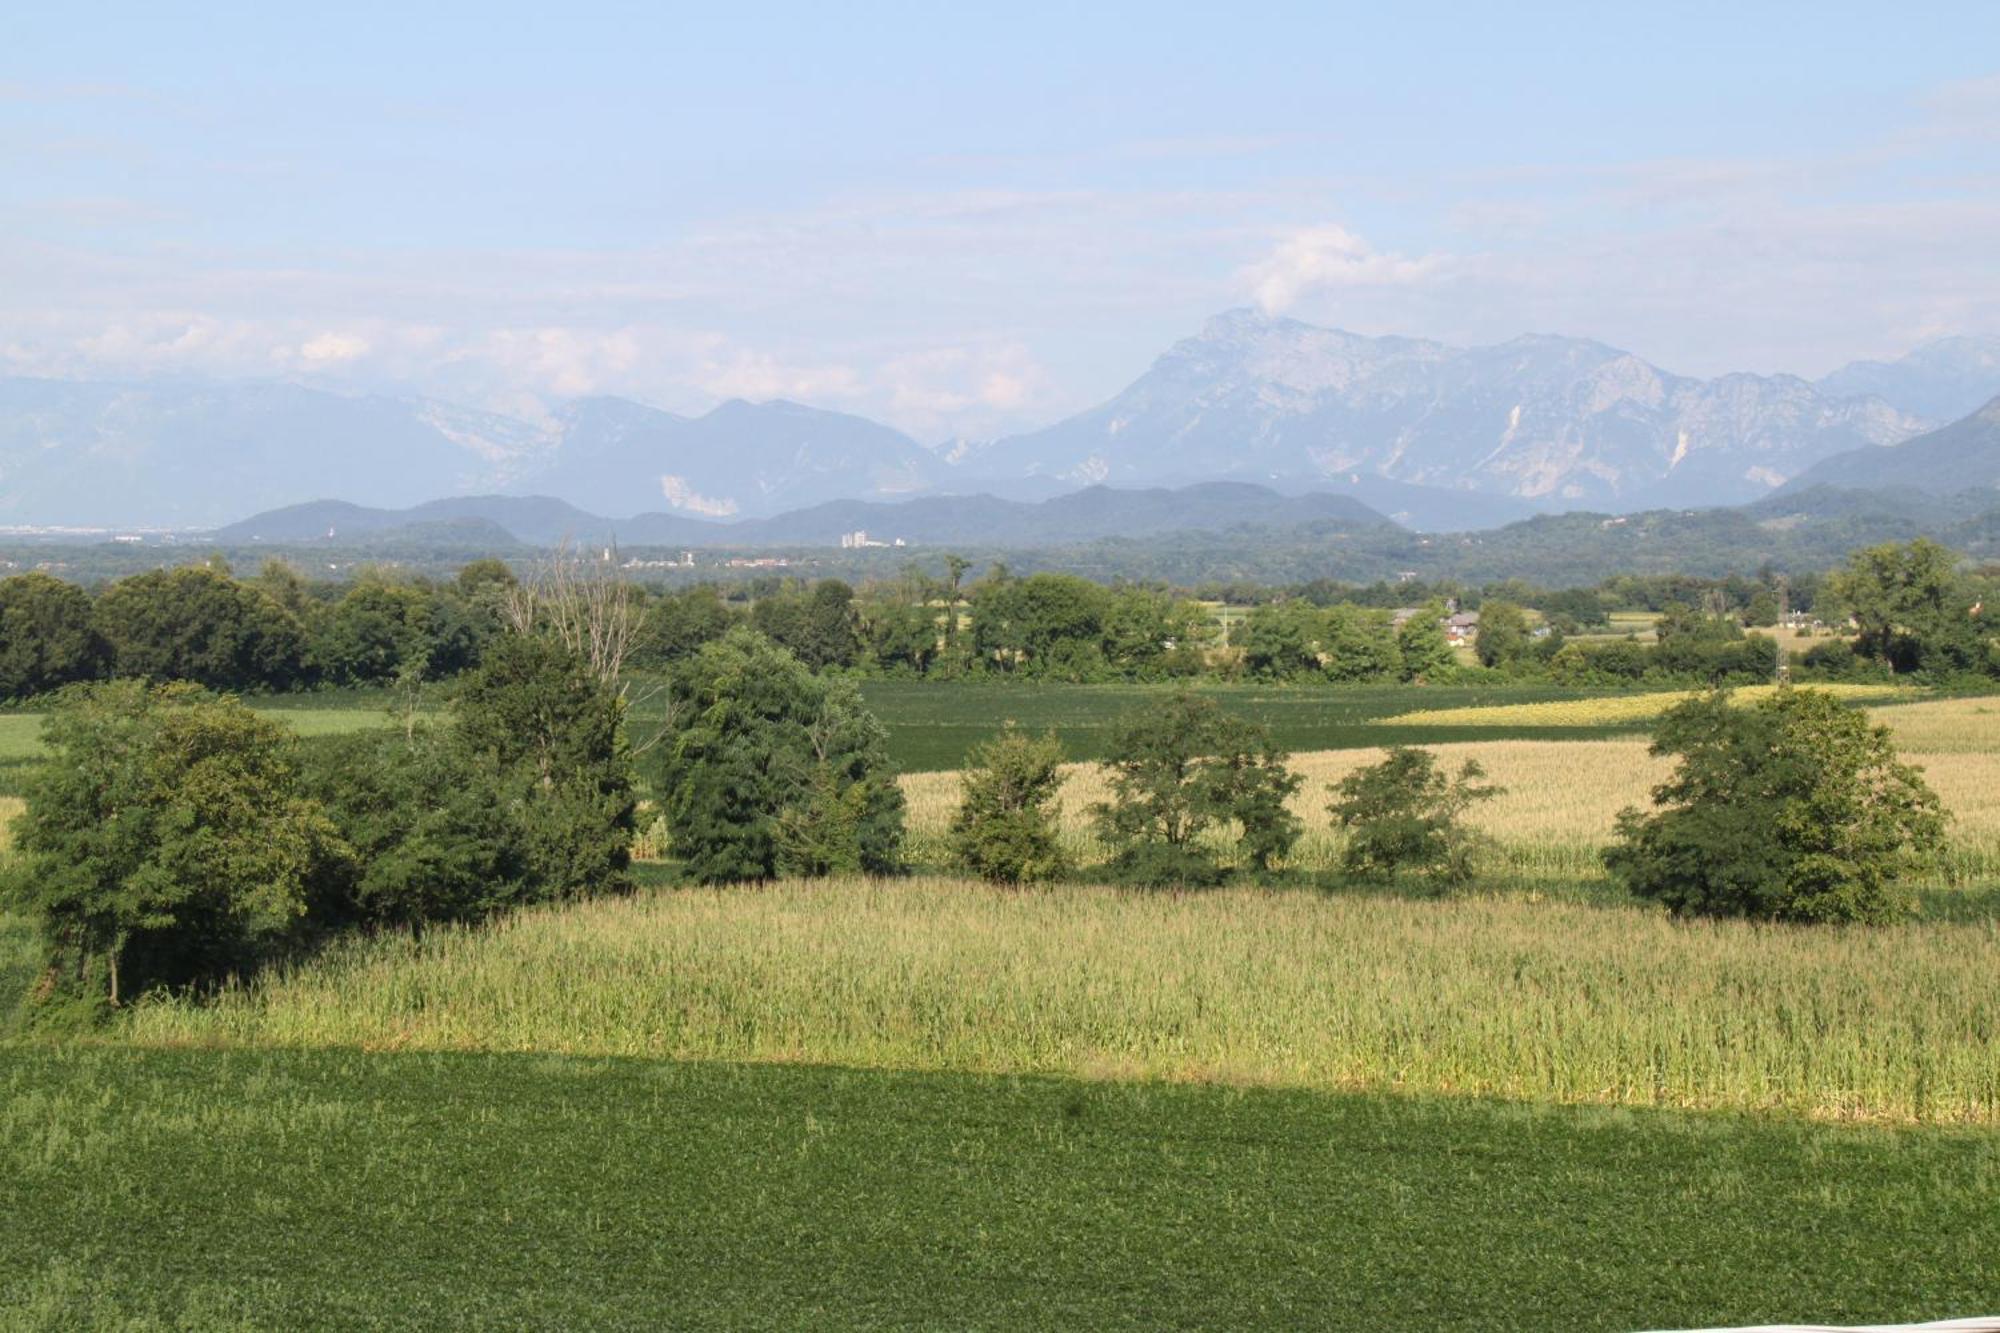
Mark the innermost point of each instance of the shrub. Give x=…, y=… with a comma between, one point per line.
x=1793, y=809
x=1406, y=815
x=1005, y=829
x=164, y=842
x=1182, y=769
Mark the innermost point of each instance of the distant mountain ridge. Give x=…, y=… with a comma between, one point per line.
x=1561, y=420
x=1440, y=437
x=1093, y=514
x=1964, y=455
x=1943, y=380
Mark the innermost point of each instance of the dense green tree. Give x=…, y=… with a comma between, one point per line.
x=818, y=625
x=1502, y=639
x=1426, y=654
x=1279, y=641
x=486, y=577
x=197, y=624
x=1794, y=809
x=436, y=836
x=1006, y=826
x=1181, y=769
x=374, y=630
x=676, y=624
x=550, y=732
x=164, y=841
x=1150, y=634
x=1360, y=644
x=1911, y=608
x=1407, y=815
x=47, y=636
x=765, y=767
x=1045, y=624
x=901, y=634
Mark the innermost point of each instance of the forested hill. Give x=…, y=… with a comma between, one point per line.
x=1221, y=531
x=1091, y=514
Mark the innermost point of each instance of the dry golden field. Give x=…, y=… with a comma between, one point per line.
x=9, y=807
x=1607, y=710
x=1562, y=797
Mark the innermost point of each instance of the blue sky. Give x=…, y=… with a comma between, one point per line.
x=968, y=219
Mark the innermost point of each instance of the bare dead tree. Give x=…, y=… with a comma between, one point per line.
x=590, y=606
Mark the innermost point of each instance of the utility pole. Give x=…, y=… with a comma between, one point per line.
x=1784, y=614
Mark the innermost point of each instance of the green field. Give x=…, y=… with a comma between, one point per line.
x=289, y=1189
x=309, y=715
x=933, y=726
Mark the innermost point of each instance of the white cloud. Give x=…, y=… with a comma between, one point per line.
x=1330, y=256
x=332, y=349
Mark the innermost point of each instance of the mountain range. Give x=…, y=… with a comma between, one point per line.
x=1438, y=437
x=1095, y=513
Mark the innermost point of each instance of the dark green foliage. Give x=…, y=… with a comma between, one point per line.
x=1406, y=815
x=1794, y=809
x=818, y=625
x=198, y=624
x=1360, y=644
x=1710, y=648
x=1006, y=827
x=1182, y=769
x=765, y=768
x=902, y=635
x=1913, y=610
x=549, y=731
x=1425, y=654
x=47, y=638
x=678, y=623
x=165, y=840
x=1045, y=625
x=435, y=836
x=1150, y=634
x=1502, y=639
x=1279, y=641
x=373, y=631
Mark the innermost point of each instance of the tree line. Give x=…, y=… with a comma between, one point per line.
x=1913, y=609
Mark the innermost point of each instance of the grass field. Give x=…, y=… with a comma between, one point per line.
x=933, y=727
x=398, y=1191
x=1543, y=1000
x=21, y=733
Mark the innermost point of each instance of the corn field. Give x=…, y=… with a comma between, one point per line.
x=1553, y=1001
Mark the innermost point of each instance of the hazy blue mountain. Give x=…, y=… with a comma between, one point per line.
x=1092, y=514
x=1563, y=421
x=191, y=455
x=1962, y=456
x=1943, y=380
x=105, y=454
x=740, y=459
x=534, y=519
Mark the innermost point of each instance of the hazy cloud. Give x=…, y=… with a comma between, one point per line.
x=1330, y=256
